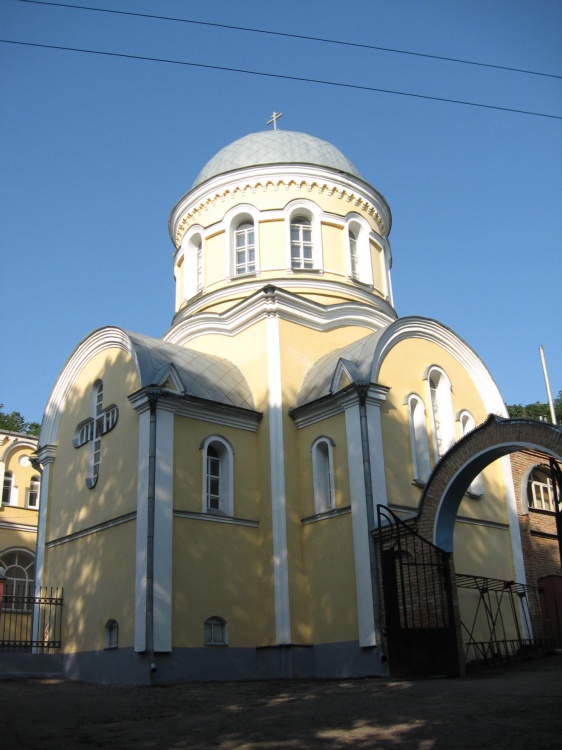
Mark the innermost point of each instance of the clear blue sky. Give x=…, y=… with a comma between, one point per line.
x=96, y=150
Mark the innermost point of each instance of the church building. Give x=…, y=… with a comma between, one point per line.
x=208, y=497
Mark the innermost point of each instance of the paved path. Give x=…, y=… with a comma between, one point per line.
x=507, y=708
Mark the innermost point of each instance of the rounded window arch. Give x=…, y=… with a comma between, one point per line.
x=418, y=437
x=190, y=264
x=242, y=255
x=304, y=238
x=442, y=415
x=358, y=250
x=467, y=424
x=19, y=571
x=218, y=476
x=323, y=474
x=111, y=634
x=215, y=631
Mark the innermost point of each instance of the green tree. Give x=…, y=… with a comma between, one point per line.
x=538, y=410
x=15, y=422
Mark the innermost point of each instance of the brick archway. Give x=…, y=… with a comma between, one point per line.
x=494, y=438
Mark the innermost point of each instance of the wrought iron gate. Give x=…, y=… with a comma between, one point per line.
x=19, y=609
x=419, y=615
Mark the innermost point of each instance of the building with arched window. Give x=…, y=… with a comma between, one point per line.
x=21, y=483
x=217, y=486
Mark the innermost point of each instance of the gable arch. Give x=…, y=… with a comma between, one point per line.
x=456, y=470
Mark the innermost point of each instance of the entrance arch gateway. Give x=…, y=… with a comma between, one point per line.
x=420, y=602
x=447, y=483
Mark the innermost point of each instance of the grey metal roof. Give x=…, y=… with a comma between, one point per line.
x=275, y=147
x=359, y=356
x=202, y=375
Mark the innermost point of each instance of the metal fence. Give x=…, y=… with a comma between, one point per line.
x=31, y=621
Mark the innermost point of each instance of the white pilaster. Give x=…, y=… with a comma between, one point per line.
x=360, y=527
x=142, y=530
x=278, y=499
x=46, y=458
x=163, y=526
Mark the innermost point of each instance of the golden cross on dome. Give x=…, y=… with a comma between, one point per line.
x=274, y=117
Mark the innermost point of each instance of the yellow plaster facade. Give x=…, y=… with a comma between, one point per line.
x=216, y=501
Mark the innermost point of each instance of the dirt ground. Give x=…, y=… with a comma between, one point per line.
x=516, y=706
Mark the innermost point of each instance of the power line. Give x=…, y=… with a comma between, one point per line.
x=305, y=37
x=283, y=77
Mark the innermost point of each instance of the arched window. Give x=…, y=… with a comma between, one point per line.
x=19, y=568
x=111, y=634
x=540, y=494
x=323, y=474
x=467, y=424
x=7, y=488
x=190, y=264
x=418, y=438
x=353, y=256
x=216, y=632
x=217, y=476
x=199, y=262
x=245, y=248
x=441, y=410
x=359, y=254
x=33, y=496
x=301, y=243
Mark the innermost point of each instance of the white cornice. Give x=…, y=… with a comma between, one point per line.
x=338, y=402
x=96, y=342
x=207, y=411
x=271, y=300
x=431, y=330
x=239, y=183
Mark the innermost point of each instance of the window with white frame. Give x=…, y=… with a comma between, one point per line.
x=418, y=438
x=443, y=420
x=301, y=243
x=353, y=255
x=217, y=476
x=7, y=488
x=323, y=474
x=540, y=493
x=467, y=424
x=111, y=634
x=215, y=632
x=245, y=248
x=191, y=263
x=19, y=565
x=34, y=488
x=359, y=254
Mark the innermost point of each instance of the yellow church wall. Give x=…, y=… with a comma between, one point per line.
x=75, y=506
x=329, y=568
x=97, y=573
x=216, y=573
x=189, y=435
x=418, y=355
x=324, y=608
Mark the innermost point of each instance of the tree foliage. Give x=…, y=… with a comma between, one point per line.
x=537, y=410
x=15, y=422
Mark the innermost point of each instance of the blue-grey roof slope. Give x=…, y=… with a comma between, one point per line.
x=276, y=147
x=202, y=375
x=359, y=355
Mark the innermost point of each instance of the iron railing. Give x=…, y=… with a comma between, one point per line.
x=506, y=619
x=31, y=621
